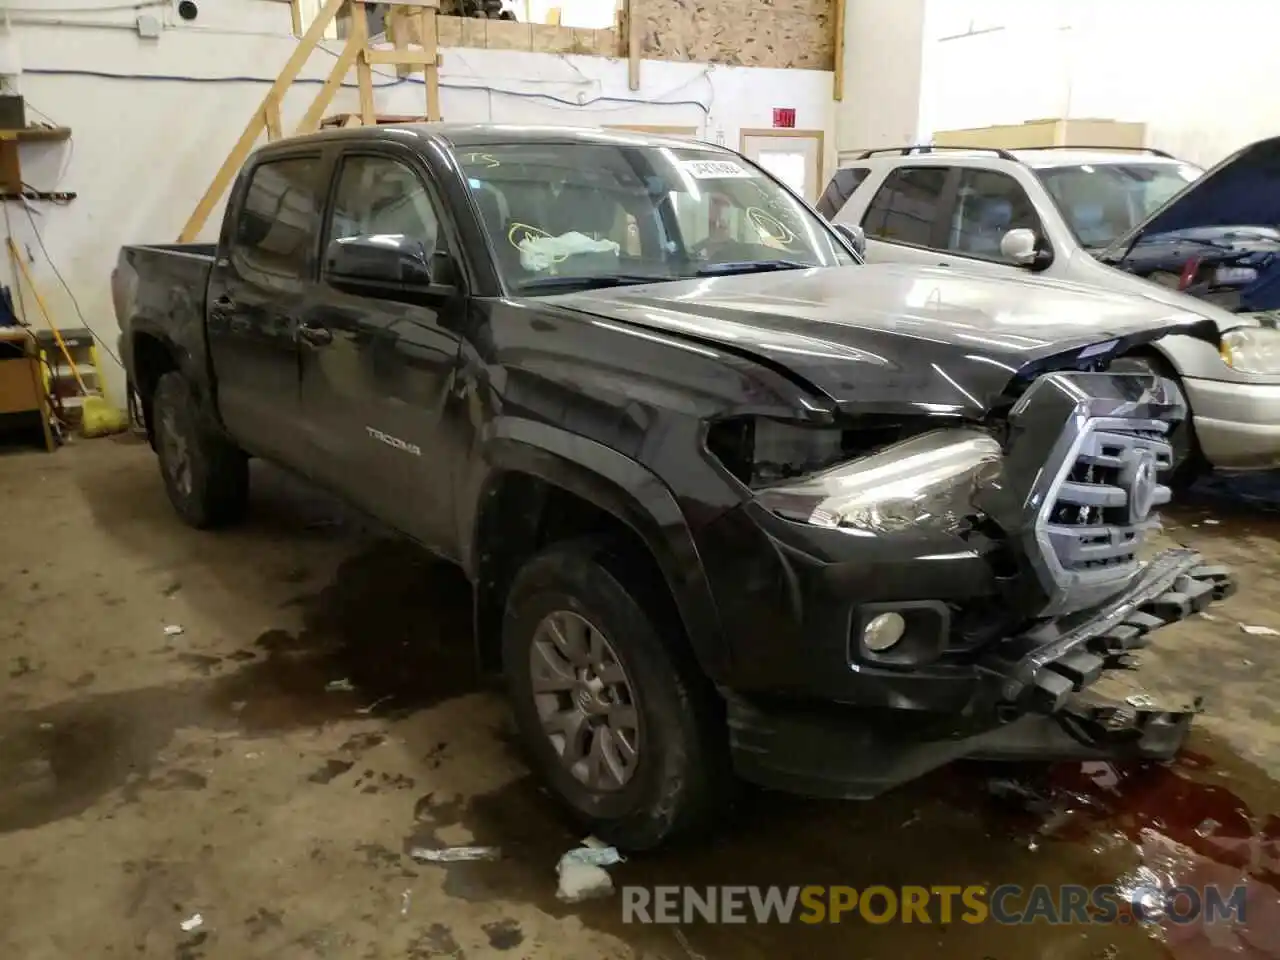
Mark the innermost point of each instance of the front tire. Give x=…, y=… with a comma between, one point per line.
x=205, y=475
x=615, y=714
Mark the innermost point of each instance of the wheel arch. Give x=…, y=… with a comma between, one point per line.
x=542, y=485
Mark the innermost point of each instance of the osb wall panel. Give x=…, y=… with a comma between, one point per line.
x=749, y=33
x=538, y=37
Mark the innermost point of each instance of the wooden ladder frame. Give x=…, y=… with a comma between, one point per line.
x=404, y=20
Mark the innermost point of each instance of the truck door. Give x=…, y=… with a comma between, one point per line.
x=378, y=361
x=257, y=290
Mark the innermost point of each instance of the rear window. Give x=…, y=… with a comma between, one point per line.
x=907, y=205
x=279, y=221
x=840, y=189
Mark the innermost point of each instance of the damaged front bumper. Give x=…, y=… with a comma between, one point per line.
x=1035, y=700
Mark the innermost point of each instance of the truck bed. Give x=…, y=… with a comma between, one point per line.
x=159, y=290
x=205, y=251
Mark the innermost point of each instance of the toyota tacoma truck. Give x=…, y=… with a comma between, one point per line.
x=734, y=504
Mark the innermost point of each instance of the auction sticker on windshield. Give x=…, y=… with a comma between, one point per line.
x=715, y=169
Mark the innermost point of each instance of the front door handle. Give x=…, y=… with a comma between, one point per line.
x=316, y=336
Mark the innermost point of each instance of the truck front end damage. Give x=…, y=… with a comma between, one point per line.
x=969, y=591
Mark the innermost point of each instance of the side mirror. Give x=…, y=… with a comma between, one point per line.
x=389, y=258
x=856, y=236
x=1021, y=246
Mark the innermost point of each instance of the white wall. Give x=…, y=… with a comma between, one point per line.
x=144, y=150
x=883, y=45
x=1200, y=77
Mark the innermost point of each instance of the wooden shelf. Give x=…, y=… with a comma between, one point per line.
x=11, y=162
x=37, y=134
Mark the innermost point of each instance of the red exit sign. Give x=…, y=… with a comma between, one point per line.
x=784, y=117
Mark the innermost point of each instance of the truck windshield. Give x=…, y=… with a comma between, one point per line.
x=564, y=214
x=1102, y=202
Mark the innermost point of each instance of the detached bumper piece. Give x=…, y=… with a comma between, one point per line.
x=1035, y=688
x=1043, y=669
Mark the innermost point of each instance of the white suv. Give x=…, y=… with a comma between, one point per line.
x=1130, y=221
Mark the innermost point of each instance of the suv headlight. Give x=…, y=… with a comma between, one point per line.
x=1251, y=349
x=929, y=480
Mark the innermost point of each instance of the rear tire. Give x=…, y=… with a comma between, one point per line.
x=205, y=475
x=679, y=774
x=1188, y=462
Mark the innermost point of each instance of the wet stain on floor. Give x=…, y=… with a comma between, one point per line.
x=387, y=630
x=1091, y=824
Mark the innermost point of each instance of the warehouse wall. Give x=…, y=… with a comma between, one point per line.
x=775, y=33
x=1198, y=76
x=883, y=45
x=144, y=149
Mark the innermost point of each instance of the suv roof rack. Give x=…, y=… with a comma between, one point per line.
x=1089, y=146
x=930, y=148
x=1004, y=154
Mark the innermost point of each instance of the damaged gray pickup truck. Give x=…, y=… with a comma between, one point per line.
x=732, y=502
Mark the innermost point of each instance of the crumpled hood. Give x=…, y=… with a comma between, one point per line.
x=1242, y=190
x=895, y=336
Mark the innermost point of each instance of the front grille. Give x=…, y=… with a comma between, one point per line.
x=1100, y=504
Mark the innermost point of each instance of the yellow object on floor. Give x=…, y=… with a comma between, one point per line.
x=98, y=416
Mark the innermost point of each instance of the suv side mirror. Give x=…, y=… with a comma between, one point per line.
x=388, y=258
x=1021, y=246
x=856, y=236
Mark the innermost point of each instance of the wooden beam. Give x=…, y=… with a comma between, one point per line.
x=364, y=74
x=415, y=58
x=244, y=146
x=838, y=92
x=295, y=11
x=271, y=118
x=399, y=32
x=633, y=44
x=346, y=60
x=431, y=72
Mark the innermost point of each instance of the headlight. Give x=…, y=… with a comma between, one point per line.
x=929, y=480
x=1251, y=349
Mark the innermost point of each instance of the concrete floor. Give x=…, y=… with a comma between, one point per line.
x=145, y=778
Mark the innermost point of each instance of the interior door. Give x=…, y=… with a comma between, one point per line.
x=378, y=362
x=793, y=156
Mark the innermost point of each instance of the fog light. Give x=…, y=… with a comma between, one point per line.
x=883, y=632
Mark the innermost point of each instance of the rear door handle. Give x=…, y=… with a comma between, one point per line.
x=316, y=336
x=223, y=306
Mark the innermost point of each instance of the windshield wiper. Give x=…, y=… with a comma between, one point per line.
x=750, y=266
x=604, y=280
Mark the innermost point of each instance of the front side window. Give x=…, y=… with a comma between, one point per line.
x=988, y=205
x=1102, y=202
x=561, y=213
x=275, y=235
x=907, y=205
x=381, y=196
